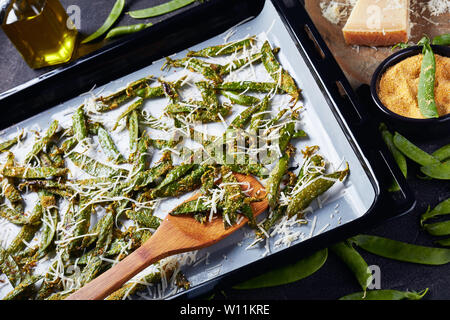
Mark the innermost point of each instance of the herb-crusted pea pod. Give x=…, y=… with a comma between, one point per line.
x=43, y=143
x=208, y=94
x=144, y=217
x=242, y=62
x=413, y=152
x=150, y=176
x=80, y=130
x=133, y=132
x=208, y=70
x=245, y=116
x=82, y=221
x=239, y=98
x=6, y=145
x=34, y=172
x=24, y=290
x=10, y=268
x=311, y=191
x=402, y=251
x=131, y=287
x=274, y=180
x=280, y=75
x=50, y=221
x=252, y=86
x=135, y=105
x=223, y=49
x=385, y=295
x=425, y=91
x=91, y=270
x=109, y=147
x=12, y=215
x=345, y=251
x=234, y=198
x=442, y=208
x=136, y=88
x=176, y=173
x=95, y=168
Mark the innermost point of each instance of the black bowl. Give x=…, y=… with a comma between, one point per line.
x=435, y=126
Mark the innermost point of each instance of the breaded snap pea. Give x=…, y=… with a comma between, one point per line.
x=33, y=172
x=79, y=124
x=241, y=99
x=109, y=147
x=95, y=168
x=43, y=143
x=6, y=145
x=223, y=49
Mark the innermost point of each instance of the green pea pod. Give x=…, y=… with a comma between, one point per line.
x=385, y=295
x=24, y=290
x=144, y=217
x=128, y=111
x=280, y=75
x=274, y=180
x=50, y=221
x=442, y=40
x=91, y=270
x=125, y=30
x=425, y=93
x=28, y=231
x=10, y=268
x=6, y=145
x=241, y=99
x=109, y=147
x=242, y=62
x=443, y=242
x=399, y=158
x=223, y=49
x=160, y=9
x=208, y=70
x=43, y=142
x=438, y=228
x=437, y=171
x=412, y=151
x=176, y=173
x=345, y=251
x=79, y=124
x=402, y=251
x=442, y=153
x=133, y=132
x=287, y=274
x=34, y=173
x=131, y=287
x=252, y=86
x=112, y=17
x=95, y=168
x=442, y=208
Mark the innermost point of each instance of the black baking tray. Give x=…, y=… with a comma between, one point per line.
x=196, y=25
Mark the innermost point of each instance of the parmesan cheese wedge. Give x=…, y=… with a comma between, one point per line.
x=378, y=23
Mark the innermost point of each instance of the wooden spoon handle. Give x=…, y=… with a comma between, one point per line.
x=108, y=282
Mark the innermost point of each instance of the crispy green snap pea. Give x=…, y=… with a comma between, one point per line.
x=160, y=9
x=385, y=295
x=442, y=40
x=95, y=168
x=287, y=274
x=347, y=253
x=43, y=142
x=34, y=172
x=251, y=86
x=438, y=170
x=442, y=208
x=223, y=49
x=24, y=290
x=402, y=251
x=109, y=147
x=412, y=151
x=10, y=268
x=442, y=153
x=6, y=145
x=239, y=98
x=425, y=93
x=112, y=17
x=80, y=130
x=135, y=105
x=125, y=30
x=144, y=217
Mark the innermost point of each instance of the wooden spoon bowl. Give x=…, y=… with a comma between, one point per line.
x=176, y=234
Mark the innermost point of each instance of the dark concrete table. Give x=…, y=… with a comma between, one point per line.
x=334, y=279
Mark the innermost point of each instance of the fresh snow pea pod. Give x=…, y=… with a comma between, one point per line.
x=24, y=290
x=438, y=228
x=95, y=168
x=112, y=17
x=34, y=172
x=442, y=153
x=345, y=251
x=314, y=189
x=399, y=158
x=160, y=9
x=402, y=251
x=287, y=274
x=132, y=107
x=125, y=30
x=412, y=151
x=425, y=91
x=109, y=147
x=385, y=295
x=443, y=242
x=42, y=143
x=6, y=145
x=80, y=130
x=437, y=170
x=223, y=49
x=442, y=40
x=239, y=98
x=280, y=75
x=442, y=208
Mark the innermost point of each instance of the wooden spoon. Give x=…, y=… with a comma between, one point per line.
x=176, y=234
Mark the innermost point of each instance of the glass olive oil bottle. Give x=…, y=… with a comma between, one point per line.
x=41, y=31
